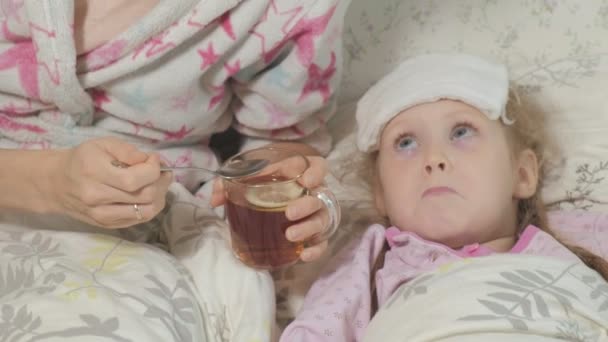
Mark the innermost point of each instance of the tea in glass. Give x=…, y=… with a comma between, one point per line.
x=257, y=217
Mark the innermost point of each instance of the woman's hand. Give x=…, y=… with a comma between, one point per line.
x=86, y=184
x=310, y=210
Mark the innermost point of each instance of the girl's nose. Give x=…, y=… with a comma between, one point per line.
x=439, y=166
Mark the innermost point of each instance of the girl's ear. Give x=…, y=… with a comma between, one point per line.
x=526, y=178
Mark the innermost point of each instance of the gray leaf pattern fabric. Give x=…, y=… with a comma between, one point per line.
x=173, y=279
x=55, y=286
x=500, y=298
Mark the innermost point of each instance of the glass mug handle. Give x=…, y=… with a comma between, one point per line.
x=333, y=210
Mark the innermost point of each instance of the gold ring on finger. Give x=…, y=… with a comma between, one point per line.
x=137, y=212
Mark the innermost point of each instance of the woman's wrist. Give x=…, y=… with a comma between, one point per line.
x=26, y=180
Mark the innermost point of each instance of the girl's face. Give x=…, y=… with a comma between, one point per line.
x=447, y=173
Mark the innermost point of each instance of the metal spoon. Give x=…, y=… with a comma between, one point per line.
x=235, y=169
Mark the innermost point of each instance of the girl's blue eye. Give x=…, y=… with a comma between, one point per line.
x=462, y=131
x=406, y=143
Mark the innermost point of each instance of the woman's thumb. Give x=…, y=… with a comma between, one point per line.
x=123, y=151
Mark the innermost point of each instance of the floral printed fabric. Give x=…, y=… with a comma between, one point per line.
x=499, y=298
x=186, y=70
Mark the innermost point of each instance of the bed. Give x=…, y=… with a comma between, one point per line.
x=556, y=50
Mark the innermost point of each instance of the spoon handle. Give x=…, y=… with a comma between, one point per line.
x=164, y=168
x=171, y=168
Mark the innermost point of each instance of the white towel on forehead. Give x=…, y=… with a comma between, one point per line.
x=428, y=78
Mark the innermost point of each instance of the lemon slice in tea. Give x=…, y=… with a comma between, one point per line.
x=275, y=196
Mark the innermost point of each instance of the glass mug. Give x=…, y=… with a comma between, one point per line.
x=256, y=206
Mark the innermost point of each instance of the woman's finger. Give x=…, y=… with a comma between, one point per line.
x=120, y=215
x=315, y=174
x=302, y=207
x=313, y=253
x=131, y=178
x=121, y=151
x=308, y=228
x=103, y=194
x=125, y=215
x=218, y=197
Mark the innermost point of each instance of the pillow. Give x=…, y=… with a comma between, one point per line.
x=555, y=50
x=582, y=228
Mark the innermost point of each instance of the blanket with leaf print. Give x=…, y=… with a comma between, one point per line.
x=498, y=298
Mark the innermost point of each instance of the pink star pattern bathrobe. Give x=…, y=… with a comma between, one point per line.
x=186, y=70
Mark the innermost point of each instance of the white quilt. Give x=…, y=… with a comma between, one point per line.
x=113, y=290
x=61, y=285
x=497, y=298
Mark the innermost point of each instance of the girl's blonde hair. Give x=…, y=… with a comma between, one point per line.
x=527, y=132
